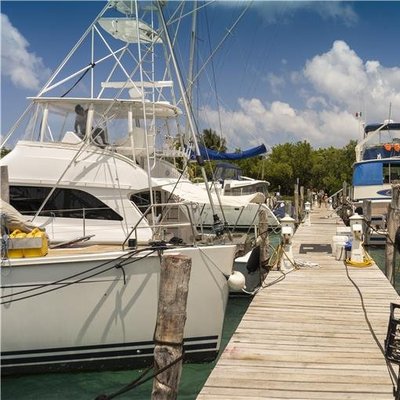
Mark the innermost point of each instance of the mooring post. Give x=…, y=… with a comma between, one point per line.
x=301, y=204
x=344, y=193
x=171, y=318
x=296, y=203
x=5, y=186
x=367, y=211
x=393, y=222
x=263, y=232
x=309, y=197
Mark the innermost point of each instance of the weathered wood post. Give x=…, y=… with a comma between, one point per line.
x=5, y=187
x=171, y=318
x=393, y=223
x=309, y=197
x=367, y=211
x=296, y=203
x=263, y=232
x=301, y=204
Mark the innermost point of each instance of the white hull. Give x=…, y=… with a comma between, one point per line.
x=104, y=321
x=238, y=217
x=372, y=192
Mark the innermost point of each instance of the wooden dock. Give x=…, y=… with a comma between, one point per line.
x=314, y=334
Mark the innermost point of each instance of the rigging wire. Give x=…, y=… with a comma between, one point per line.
x=214, y=81
x=126, y=258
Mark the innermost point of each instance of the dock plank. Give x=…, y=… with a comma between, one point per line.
x=316, y=333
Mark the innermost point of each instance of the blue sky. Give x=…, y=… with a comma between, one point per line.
x=289, y=71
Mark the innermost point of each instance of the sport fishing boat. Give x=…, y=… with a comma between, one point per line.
x=88, y=300
x=376, y=168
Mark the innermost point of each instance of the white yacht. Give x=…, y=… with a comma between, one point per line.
x=91, y=302
x=376, y=168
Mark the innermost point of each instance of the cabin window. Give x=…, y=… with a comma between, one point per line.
x=142, y=200
x=391, y=173
x=65, y=203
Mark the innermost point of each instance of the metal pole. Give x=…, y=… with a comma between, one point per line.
x=199, y=158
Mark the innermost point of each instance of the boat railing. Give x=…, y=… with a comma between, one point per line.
x=165, y=221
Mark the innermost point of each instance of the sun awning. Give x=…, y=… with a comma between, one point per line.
x=188, y=191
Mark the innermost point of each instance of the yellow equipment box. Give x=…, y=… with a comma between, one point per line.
x=33, y=244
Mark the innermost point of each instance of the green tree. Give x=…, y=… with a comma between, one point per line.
x=211, y=140
x=4, y=151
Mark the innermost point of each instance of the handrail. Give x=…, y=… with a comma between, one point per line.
x=159, y=225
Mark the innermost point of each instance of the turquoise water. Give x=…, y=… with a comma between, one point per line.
x=89, y=385
x=81, y=386
x=378, y=254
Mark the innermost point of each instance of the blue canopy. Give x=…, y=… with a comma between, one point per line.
x=209, y=154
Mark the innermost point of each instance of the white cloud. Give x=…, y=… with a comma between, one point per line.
x=282, y=11
x=334, y=85
x=345, y=81
x=276, y=82
x=22, y=67
x=339, y=73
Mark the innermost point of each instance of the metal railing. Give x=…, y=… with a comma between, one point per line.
x=158, y=227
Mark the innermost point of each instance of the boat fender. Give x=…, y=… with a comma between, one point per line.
x=397, y=239
x=237, y=281
x=253, y=263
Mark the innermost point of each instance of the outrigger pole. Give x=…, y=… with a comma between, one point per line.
x=199, y=158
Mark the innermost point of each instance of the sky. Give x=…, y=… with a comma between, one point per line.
x=287, y=71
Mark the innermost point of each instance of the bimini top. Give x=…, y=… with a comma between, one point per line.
x=210, y=154
x=118, y=107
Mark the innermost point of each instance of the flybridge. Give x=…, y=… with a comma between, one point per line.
x=379, y=141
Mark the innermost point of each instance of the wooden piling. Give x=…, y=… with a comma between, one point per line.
x=344, y=193
x=296, y=203
x=171, y=318
x=263, y=232
x=367, y=211
x=301, y=204
x=5, y=186
x=393, y=222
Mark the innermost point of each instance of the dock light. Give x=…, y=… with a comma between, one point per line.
x=307, y=206
x=356, y=222
x=287, y=230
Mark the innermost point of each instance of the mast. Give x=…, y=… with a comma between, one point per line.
x=199, y=158
x=191, y=55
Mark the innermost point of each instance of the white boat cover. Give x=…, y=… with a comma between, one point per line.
x=187, y=191
x=13, y=219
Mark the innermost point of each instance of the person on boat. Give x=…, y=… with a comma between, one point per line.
x=80, y=127
x=80, y=121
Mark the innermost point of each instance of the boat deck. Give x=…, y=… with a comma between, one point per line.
x=316, y=333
